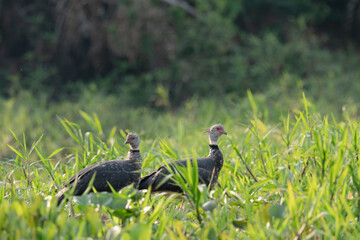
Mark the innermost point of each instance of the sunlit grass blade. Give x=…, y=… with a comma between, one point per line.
x=16, y=151
x=242, y=159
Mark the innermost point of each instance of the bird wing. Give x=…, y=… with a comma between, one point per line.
x=90, y=170
x=118, y=173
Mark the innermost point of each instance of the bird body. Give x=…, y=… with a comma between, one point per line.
x=117, y=173
x=208, y=172
x=208, y=167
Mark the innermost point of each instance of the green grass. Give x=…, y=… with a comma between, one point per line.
x=294, y=177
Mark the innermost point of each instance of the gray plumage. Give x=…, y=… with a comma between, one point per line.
x=118, y=173
x=208, y=167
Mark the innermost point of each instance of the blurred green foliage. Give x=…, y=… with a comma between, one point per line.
x=157, y=54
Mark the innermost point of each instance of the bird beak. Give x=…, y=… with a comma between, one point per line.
x=127, y=141
x=224, y=132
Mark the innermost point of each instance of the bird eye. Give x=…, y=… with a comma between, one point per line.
x=218, y=128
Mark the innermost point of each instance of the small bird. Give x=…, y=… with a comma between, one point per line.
x=208, y=167
x=117, y=173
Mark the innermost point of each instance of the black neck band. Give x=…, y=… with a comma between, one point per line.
x=213, y=146
x=134, y=151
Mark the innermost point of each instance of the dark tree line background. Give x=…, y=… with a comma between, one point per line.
x=157, y=53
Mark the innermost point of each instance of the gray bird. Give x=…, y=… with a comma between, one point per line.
x=118, y=173
x=208, y=167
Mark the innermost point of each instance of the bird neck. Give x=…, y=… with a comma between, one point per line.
x=216, y=155
x=213, y=140
x=134, y=155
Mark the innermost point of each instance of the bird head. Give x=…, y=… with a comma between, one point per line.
x=133, y=140
x=215, y=132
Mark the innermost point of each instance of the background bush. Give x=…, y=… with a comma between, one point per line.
x=155, y=54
